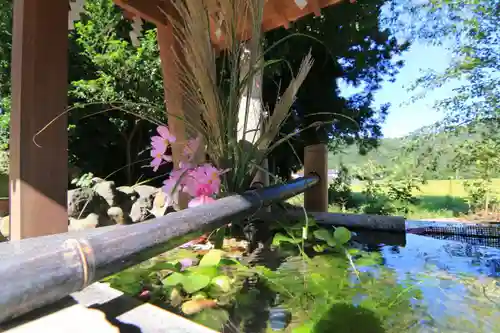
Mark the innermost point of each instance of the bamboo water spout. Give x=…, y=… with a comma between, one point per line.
x=38, y=271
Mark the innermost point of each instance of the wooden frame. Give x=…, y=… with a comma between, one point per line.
x=39, y=170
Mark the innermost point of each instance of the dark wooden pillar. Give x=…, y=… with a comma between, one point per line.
x=39, y=165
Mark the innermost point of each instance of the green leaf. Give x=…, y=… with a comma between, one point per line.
x=166, y=265
x=318, y=248
x=195, y=282
x=279, y=238
x=366, y=261
x=222, y=282
x=322, y=234
x=331, y=242
x=212, y=318
x=210, y=271
x=173, y=279
x=342, y=235
x=212, y=258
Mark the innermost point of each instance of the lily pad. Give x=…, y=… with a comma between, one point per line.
x=212, y=258
x=210, y=271
x=322, y=234
x=342, y=235
x=173, y=279
x=193, y=283
x=212, y=318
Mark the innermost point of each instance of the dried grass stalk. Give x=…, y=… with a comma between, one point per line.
x=197, y=79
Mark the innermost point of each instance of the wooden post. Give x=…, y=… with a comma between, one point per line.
x=169, y=53
x=316, y=161
x=39, y=171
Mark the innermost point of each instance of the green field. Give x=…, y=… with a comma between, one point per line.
x=437, y=199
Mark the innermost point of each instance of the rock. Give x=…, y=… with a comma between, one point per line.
x=107, y=190
x=146, y=191
x=160, y=204
x=89, y=222
x=126, y=196
x=96, y=180
x=129, y=192
x=141, y=209
x=5, y=226
x=83, y=201
x=117, y=215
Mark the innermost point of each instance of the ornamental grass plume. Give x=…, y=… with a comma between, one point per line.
x=214, y=85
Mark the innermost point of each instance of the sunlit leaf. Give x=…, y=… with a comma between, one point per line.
x=212, y=258
x=210, y=271
x=195, y=282
x=173, y=279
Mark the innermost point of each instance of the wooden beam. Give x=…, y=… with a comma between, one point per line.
x=272, y=9
x=314, y=7
x=39, y=165
x=148, y=10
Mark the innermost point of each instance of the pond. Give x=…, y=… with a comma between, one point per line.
x=429, y=285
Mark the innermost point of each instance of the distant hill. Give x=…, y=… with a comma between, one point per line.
x=440, y=145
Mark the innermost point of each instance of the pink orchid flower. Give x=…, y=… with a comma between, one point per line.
x=165, y=137
x=159, y=156
x=179, y=180
x=208, y=174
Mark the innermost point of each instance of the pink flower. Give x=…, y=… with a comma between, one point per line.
x=159, y=156
x=164, y=139
x=208, y=174
x=201, y=200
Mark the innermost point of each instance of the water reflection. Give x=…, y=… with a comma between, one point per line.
x=429, y=285
x=459, y=282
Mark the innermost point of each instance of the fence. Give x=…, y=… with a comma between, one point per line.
x=39, y=271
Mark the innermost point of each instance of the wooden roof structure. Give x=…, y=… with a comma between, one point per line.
x=39, y=161
x=277, y=13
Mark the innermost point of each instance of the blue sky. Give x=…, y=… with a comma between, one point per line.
x=404, y=119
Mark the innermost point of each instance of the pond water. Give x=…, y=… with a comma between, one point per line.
x=430, y=285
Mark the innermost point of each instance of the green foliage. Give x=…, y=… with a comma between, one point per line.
x=319, y=302
x=470, y=29
x=84, y=181
x=484, y=156
x=348, y=44
x=116, y=92
x=388, y=191
x=339, y=190
x=5, y=70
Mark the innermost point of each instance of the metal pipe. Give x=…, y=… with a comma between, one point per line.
x=38, y=271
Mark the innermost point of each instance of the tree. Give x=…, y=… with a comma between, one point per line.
x=347, y=43
x=116, y=90
x=470, y=30
x=483, y=157
x=5, y=48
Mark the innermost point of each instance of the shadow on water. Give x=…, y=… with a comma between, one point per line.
x=347, y=318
